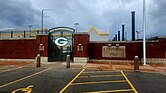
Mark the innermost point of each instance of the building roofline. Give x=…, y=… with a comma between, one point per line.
x=97, y=31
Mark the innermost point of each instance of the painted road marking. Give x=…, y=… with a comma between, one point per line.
x=108, y=91
x=100, y=76
x=71, y=81
x=25, y=90
x=10, y=69
x=3, y=67
x=99, y=71
x=1, y=86
x=135, y=91
x=100, y=82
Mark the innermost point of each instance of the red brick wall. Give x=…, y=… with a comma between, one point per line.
x=153, y=49
x=132, y=49
x=22, y=48
x=156, y=49
x=42, y=39
x=84, y=40
x=93, y=50
x=18, y=49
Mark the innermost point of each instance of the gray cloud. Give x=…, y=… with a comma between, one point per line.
x=103, y=14
x=157, y=17
x=16, y=13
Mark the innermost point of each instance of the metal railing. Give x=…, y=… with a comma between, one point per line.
x=20, y=34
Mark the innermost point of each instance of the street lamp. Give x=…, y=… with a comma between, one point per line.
x=76, y=26
x=30, y=26
x=43, y=17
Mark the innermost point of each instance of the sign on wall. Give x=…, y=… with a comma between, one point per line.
x=114, y=52
x=61, y=41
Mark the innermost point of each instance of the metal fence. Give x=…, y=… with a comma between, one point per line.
x=21, y=34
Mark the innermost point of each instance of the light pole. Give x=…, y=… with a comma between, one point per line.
x=126, y=36
x=43, y=17
x=30, y=26
x=144, y=32
x=76, y=26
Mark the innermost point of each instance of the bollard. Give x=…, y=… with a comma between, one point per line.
x=68, y=61
x=136, y=63
x=38, y=60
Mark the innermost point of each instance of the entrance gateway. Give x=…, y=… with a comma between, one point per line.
x=60, y=43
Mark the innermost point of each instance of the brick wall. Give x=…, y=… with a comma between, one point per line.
x=154, y=48
x=42, y=39
x=82, y=39
x=132, y=49
x=23, y=48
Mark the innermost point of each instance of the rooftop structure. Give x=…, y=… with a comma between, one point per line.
x=96, y=35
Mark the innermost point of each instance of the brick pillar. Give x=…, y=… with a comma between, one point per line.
x=42, y=43
x=81, y=47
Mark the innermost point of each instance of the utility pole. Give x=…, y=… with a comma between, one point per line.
x=42, y=18
x=144, y=32
x=42, y=21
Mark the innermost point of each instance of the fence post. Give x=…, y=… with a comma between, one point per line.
x=11, y=34
x=24, y=34
x=0, y=35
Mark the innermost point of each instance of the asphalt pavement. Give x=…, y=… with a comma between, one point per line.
x=19, y=79
x=148, y=82
x=43, y=80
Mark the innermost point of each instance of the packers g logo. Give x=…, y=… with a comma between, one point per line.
x=61, y=41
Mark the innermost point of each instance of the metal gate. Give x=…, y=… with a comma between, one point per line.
x=60, y=43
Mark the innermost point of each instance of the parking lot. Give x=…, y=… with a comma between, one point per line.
x=42, y=80
x=20, y=79
x=95, y=81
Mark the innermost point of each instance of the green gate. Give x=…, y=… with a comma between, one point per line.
x=60, y=43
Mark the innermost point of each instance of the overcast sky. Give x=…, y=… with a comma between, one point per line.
x=105, y=15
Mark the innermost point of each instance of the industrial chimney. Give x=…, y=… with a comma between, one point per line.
x=118, y=35
x=133, y=25
x=123, y=32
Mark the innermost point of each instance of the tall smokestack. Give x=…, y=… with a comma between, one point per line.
x=123, y=32
x=118, y=35
x=133, y=25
